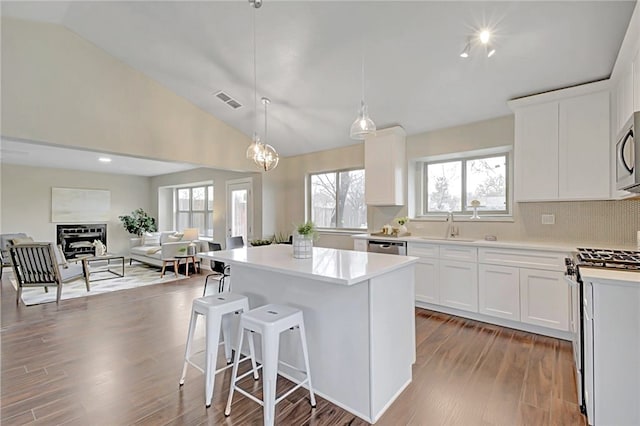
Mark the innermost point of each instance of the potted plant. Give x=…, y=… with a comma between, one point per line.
x=402, y=221
x=138, y=222
x=303, y=240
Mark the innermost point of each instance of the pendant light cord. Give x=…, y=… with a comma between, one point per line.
x=363, y=69
x=255, y=78
x=266, y=102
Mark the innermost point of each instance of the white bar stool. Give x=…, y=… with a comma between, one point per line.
x=216, y=310
x=270, y=321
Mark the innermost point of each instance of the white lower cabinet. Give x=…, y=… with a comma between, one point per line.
x=459, y=285
x=499, y=291
x=519, y=288
x=544, y=299
x=427, y=271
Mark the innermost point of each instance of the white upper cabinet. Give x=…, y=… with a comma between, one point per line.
x=584, y=147
x=536, y=152
x=624, y=99
x=562, y=145
x=385, y=167
x=636, y=81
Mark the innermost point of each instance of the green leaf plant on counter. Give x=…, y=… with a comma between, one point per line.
x=308, y=229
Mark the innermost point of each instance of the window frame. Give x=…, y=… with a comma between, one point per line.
x=191, y=211
x=463, y=158
x=309, y=203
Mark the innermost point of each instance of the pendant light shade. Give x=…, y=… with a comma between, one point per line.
x=254, y=147
x=363, y=125
x=266, y=156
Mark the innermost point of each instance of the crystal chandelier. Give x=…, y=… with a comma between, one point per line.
x=266, y=156
x=263, y=155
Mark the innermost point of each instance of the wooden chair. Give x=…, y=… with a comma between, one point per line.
x=36, y=265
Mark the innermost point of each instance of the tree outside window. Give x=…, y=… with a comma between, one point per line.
x=452, y=185
x=337, y=199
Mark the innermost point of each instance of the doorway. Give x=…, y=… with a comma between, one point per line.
x=240, y=208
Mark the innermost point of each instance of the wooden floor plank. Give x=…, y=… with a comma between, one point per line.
x=116, y=359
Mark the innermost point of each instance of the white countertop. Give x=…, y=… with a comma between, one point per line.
x=612, y=276
x=345, y=267
x=524, y=245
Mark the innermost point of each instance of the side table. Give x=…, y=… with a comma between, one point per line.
x=170, y=261
x=188, y=258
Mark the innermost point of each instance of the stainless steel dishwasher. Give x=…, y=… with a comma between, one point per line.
x=388, y=247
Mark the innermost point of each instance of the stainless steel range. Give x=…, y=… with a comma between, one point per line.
x=628, y=260
x=610, y=259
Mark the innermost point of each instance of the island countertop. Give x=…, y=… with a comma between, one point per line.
x=345, y=267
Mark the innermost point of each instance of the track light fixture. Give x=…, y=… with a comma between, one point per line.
x=482, y=38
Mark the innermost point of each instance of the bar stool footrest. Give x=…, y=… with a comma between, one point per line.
x=290, y=391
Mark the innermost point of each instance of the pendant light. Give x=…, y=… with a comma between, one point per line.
x=266, y=157
x=363, y=125
x=263, y=155
x=254, y=147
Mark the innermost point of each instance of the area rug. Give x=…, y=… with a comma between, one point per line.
x=137, y=275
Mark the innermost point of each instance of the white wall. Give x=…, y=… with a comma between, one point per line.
x=26, y=200
x=219, y=178
x=60, y=89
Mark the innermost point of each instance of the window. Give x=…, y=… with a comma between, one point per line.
x=452, y=185
x=195, y=209
x=337, y=199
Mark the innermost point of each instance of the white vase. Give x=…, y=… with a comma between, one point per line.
x=302, y=246
x=402, y=229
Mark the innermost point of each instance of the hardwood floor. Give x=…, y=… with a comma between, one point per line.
x=116, y=358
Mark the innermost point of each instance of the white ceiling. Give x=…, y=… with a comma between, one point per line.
x=309, y=57
x=39, y=155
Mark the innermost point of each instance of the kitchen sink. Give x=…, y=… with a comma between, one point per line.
x=462, y=240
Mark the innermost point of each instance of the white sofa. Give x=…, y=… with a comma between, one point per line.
x=155, y=246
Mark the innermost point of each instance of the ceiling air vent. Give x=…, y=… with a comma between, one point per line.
x=228, y=100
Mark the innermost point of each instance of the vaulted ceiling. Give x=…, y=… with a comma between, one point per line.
x=309, y=57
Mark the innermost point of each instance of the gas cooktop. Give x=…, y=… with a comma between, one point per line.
x=614, y=259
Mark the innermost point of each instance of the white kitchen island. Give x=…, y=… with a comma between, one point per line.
x=358, y=312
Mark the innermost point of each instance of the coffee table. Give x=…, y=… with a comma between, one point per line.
x=114, y=266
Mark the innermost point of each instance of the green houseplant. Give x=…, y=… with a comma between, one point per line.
x=138, y=222
x=308, y=229
x=303, y=240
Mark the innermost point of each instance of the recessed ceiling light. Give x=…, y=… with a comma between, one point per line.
x=104, y=159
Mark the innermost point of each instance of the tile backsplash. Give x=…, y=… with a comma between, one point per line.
x=596, y=223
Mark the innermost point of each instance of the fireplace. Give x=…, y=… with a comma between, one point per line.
x=77, y=240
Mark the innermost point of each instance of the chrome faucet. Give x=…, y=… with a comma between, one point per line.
x=452, y=231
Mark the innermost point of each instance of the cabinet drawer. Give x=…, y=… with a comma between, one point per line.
x=538, y=259
x=422, y=250
x=459, y=253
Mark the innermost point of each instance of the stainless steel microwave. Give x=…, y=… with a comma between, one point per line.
x=627, y=162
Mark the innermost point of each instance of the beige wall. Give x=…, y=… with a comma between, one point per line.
x=26, y=200
x=468, y=137
x=219, y=178
x=597, y=223
x=291, y=177
x=60, y=89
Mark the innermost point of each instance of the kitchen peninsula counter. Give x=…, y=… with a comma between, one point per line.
x=359, y=315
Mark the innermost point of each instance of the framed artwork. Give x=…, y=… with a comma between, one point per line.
x=76, y=205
